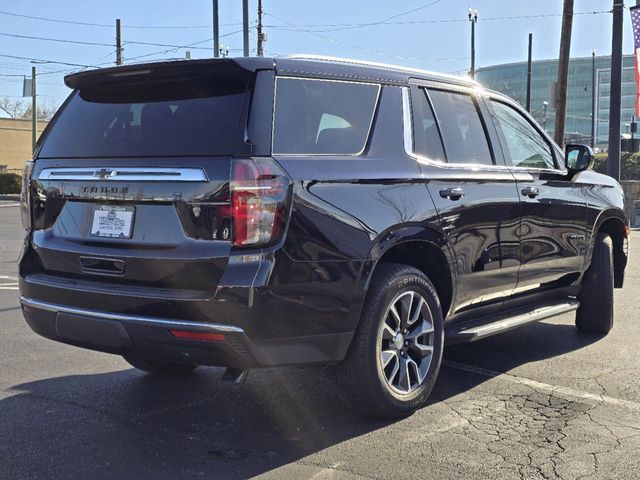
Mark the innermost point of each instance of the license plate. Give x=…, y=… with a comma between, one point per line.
x=112, y=221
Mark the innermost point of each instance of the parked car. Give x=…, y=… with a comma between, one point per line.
x=257, y=212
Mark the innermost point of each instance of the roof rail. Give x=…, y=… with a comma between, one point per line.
x=382, y=66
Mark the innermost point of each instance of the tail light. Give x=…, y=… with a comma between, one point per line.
x=25, y=196
x=259, y=193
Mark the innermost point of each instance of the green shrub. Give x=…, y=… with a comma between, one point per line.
x=10, y=183
x=629, y=165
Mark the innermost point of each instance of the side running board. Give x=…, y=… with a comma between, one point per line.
x=508, y=321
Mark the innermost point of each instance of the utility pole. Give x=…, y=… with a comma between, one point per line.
x=261, y=35
x=118, y=43
x=216, y=30
x=245, y=27
x=473, y=18
x=529, y=73
x=613, y=162
x=563, y=70
x=593, y=97
x=34, y=111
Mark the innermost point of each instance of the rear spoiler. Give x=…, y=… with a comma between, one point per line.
x=214, y=66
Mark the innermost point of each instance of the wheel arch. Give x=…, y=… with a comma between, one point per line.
x=614, y=224
x=423, y=248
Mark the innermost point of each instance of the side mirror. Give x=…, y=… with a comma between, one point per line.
x=579, y=158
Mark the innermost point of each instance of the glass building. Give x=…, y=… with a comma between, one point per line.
x=511, y=79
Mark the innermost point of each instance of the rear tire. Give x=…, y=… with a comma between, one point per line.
x=595, y=314
x=160, y=367
x=394, y=359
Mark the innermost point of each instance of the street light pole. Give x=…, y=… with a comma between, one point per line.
x=473, y=18
x=593, y=98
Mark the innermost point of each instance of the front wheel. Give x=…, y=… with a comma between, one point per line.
x=595, y=314
x=395, y=356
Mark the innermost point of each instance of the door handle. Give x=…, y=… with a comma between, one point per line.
x=455, y=193
x=530, y=192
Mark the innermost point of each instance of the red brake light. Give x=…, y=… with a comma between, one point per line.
x=207, y=336
x=259, y=191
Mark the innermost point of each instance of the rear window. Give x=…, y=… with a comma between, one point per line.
x=322, y=116
x=202, y=116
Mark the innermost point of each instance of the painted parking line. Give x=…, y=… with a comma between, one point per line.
x=545, y=387
x=9, y=205
x=8, y=283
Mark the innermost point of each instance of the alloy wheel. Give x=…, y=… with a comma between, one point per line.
x=406, y=342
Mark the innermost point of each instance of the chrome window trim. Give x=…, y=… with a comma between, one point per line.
x=126, y=174
x=408, y=148
x=162, y=322
x=303, y=154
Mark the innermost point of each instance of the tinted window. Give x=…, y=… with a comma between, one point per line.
x=162, y=119
x=426, y=138
x=465, y=140
x=525, y=145
x=322, y=117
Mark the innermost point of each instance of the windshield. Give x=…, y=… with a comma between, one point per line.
x=169, y=118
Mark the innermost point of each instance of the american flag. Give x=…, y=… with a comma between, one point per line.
x=635, y=22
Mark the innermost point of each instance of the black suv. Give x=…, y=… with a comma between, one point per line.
x=256, y=212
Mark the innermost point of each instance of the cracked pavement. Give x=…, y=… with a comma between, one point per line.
x=542, y=402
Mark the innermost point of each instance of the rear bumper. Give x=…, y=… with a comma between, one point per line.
x=151, y=337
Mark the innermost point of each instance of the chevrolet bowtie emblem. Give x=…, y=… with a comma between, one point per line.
x=104, y=173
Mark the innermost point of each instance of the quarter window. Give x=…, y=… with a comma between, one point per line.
x=322, y=117
x=465, y=140
x=526, y=147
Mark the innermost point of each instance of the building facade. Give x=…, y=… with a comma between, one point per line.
x=15, y=143
x=511, y=79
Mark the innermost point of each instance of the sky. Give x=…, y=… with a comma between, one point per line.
x=429, y=34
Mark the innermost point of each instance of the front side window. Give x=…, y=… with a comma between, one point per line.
x=464, y=137
x=322, y=116
x=526, y=147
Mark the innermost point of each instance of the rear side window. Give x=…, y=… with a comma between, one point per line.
x=180, y=118
x=426, y=138
x=322, y=116
x=526, y=146
x=465, y=140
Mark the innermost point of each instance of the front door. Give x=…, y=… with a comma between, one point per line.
x=553, y=232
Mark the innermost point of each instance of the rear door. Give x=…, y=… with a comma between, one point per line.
x=474, y=193
x=553, y=232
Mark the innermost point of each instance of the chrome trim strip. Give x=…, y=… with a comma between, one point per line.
x=407, y=124
x=367, y=137
x=162, y=322
x=126, y=174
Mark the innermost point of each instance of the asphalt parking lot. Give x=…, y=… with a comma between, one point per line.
x=542, y=402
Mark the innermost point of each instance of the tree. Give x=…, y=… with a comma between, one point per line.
x=20, y=108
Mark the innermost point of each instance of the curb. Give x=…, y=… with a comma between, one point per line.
x=15, y=198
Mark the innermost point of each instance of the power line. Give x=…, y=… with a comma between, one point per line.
x=175, y=48
x=110, y=25
x=351, y=45
x=351, y=26
x=49, y=39
x=39, y=60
